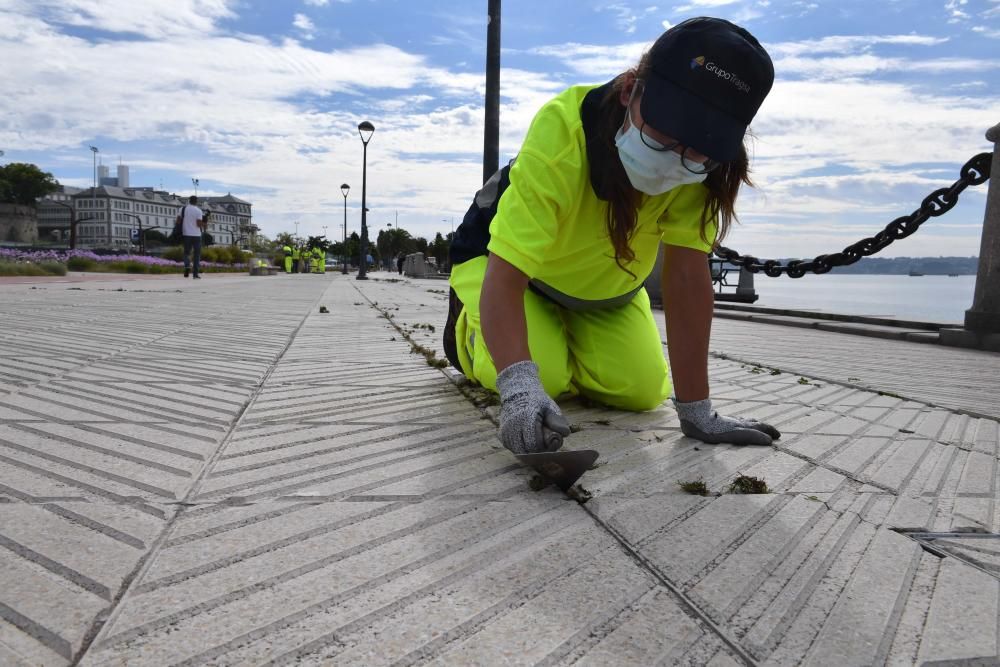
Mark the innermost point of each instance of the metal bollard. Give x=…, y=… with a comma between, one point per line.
x=984, y=316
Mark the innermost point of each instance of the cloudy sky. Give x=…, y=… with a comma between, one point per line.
x=876, y=103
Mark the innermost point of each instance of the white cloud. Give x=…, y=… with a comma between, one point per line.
x=317, y=3
x=155, y=19
x=305, y=26
x=849, y=44
x=275, y=121
x=595, y=61
x=697, y=4
x=626, y=18
x=955, y=11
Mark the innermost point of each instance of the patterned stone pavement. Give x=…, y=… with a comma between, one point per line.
x=218, y=474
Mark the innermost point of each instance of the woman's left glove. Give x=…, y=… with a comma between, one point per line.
x=700, y=421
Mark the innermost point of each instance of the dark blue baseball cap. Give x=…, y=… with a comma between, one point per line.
x=708, y=79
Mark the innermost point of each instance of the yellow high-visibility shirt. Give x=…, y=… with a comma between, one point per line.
x=552, y=226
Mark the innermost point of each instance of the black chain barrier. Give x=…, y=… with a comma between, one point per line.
x=974, y=172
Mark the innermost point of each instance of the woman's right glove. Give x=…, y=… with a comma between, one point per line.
x=530, y=421
x=700, y=421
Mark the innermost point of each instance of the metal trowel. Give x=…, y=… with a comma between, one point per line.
x=562, y=468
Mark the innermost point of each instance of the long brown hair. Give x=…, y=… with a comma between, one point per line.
x=723, y=182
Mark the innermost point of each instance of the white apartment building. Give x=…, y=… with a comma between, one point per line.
x=107, y=215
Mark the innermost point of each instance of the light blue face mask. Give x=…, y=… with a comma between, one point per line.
x=650, y=171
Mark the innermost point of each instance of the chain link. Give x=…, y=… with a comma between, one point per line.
x=974, y=172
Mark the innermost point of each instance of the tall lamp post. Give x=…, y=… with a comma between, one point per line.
x=366, y=130
x=93, y=149
x=195, y=182
x=296, y=231
x=344, y=189
x=491, y=139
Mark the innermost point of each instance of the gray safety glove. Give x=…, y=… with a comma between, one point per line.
x=700, y=421
x=530, y=421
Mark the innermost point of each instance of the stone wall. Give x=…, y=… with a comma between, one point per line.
x=18, y=224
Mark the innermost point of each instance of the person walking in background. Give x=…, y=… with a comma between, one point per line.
x=549, y=263
x=287, y=252
x=192, y=226
x=400, y=260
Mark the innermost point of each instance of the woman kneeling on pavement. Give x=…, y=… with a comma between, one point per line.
x=549, y=263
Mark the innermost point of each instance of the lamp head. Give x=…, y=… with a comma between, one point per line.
x=345, y=188
x=94, y=149
x=366, y=129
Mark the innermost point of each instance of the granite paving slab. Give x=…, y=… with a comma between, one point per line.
x=224, y=475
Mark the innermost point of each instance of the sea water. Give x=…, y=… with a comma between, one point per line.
x=923, y=298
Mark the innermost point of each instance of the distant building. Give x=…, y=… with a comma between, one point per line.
x=108, y=215
x=120, y=181
x=54, y=214
x=241, y=209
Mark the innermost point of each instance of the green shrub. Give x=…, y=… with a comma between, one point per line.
x=81, y=264
x=53, y=268
x=175, y=253
x=156, y=268
x=127, y=266
x=20, y=269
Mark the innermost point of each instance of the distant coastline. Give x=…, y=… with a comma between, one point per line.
x=903, y=266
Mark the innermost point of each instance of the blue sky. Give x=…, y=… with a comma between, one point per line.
x=875, y=103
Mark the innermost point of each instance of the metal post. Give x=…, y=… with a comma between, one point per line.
x=984, y=316
x=142, y=235
x=363, y=129
x=363, y=253
x=94, y=150
x=491, y=141
x=344, y=189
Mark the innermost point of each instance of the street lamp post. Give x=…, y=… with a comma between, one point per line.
x=296, y=231
x=73, y=222
x=195, y=182
x=344, y=189
x=491, y=138
x=366, y=130
x=93, y=149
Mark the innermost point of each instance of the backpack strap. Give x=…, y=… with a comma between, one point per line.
x=473, y=235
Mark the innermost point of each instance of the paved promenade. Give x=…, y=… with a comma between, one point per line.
x=217, y=473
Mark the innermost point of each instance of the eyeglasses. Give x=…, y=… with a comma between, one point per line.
x=691, y=159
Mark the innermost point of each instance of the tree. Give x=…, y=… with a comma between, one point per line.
x=23, y=183
x=353, y=247
x=318, y=242
x=154, y=237
x=284, y=239
x=438, y=249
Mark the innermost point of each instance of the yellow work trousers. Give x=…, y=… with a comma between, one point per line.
x=613, y=356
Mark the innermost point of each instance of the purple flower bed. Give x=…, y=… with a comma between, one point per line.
x=35, y=256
